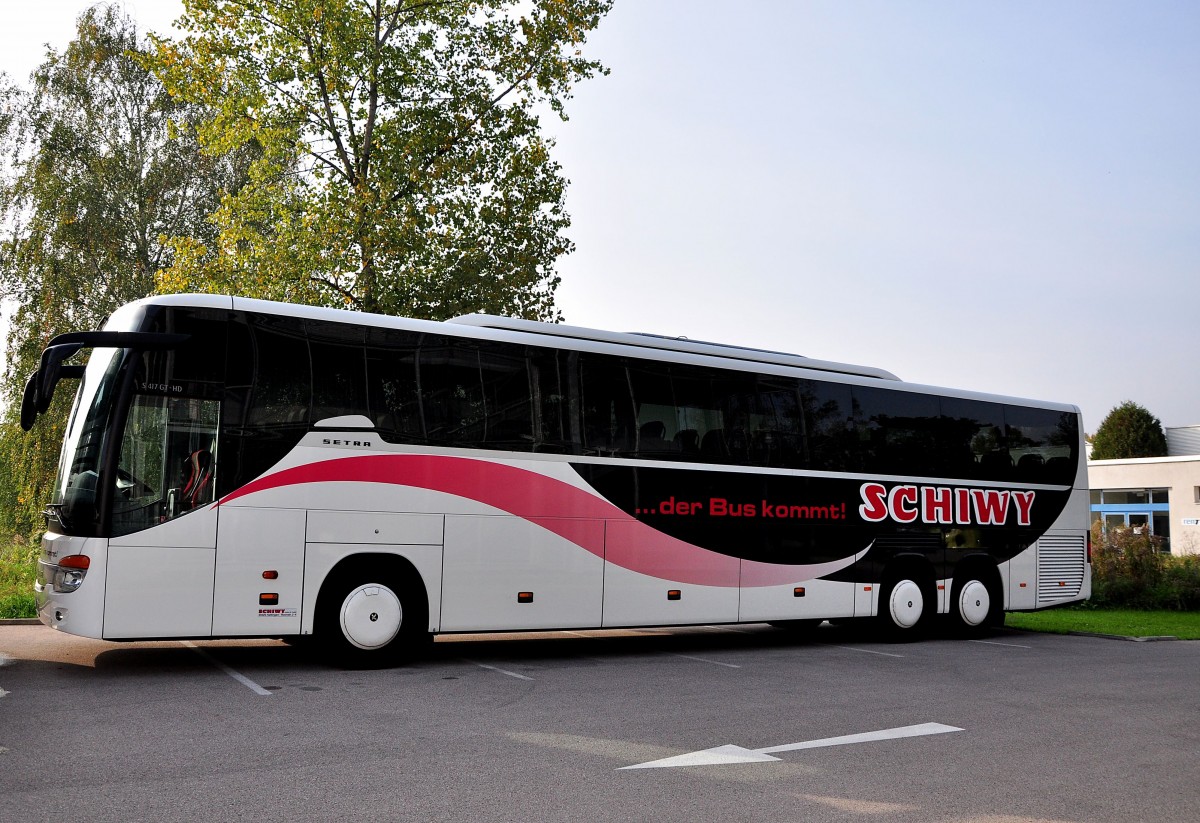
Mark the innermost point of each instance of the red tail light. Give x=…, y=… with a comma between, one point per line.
x=75, y=561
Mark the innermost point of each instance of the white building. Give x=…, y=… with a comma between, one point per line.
x=1161, y=494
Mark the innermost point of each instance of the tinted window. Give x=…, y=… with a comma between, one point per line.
x=775, y=426
x=475, y=397
x=339, y=379
x=608, y=415
x=832, y=440
x=393, y=392
x=198, y=364
x=655, y=409
x=267, y=397
x=554, y=376
x=281, y=392
x=975, y=445
x=507, y=398
x=1044, y=444
x=898, y=431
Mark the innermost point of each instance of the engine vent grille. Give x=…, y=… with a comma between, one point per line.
x=1061, y=563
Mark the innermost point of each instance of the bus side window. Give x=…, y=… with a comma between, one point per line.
x=555, y=400
x=393, y=393
x=1043, y=443
x=608, y=418
x=976, y=428
x=898, y=432
x=508, y=406
x=339, y=371
x=828, y=412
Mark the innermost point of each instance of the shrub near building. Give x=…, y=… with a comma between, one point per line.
x=1130, y=570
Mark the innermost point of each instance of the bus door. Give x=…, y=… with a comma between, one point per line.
x=161, y=556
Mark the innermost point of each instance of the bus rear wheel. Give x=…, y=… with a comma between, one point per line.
x=975, y=603
x=369, y=621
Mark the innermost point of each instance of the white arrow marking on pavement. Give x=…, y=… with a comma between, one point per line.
x=4, y=693
x=724, y=755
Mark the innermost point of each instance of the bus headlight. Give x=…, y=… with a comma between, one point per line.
x=70, y=571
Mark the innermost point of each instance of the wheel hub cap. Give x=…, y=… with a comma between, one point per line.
x=974, y=603
x=371, y=616
x=906, y=604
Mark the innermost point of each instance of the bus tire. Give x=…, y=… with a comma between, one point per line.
x=370, y=620
x=976, y=601
x=907, y=601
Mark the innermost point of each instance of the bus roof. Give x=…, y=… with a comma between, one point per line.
x=497, y=327
x=645, y=340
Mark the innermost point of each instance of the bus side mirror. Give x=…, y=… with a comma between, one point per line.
x=29, y=402
x=51, y=370
x=39, y=389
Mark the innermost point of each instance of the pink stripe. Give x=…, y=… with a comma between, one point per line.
x=556, y=506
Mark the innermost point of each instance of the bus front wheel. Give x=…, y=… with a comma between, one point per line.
x=369, y=621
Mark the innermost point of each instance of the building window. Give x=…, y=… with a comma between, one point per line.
x=1143, y=510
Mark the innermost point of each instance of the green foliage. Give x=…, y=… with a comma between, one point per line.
x=1130, y=570
x=92, y=181
x=404, y=170
x=18, y=567
x=1129, y=430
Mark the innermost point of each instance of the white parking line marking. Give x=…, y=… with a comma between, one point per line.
x=994, y=643
x=496, y=669
x=705, y=660
x=867, y=651
x=241, y=678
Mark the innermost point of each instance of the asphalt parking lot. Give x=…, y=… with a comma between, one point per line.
x=723, y=723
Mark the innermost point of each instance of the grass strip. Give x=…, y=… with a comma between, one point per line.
x=1124, y=622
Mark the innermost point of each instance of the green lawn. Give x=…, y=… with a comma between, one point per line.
x=1184, y=625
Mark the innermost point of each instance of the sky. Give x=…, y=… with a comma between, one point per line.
x=995, y=196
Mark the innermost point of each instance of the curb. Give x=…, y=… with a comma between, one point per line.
x=21, y=621
x=1149, y=639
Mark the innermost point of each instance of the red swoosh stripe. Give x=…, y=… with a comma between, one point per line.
x=554, y=505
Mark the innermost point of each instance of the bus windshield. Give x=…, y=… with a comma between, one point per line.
x=73, y=500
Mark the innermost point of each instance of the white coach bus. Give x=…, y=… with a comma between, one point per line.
x=240, y=468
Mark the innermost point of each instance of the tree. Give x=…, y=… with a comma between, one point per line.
x=404, y=170
x=1129, y=430
x=92, y=181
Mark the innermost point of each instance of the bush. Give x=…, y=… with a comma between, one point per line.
x=1130, y=570
x=17, y=606
x=1129, y=430
x=18, y=567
